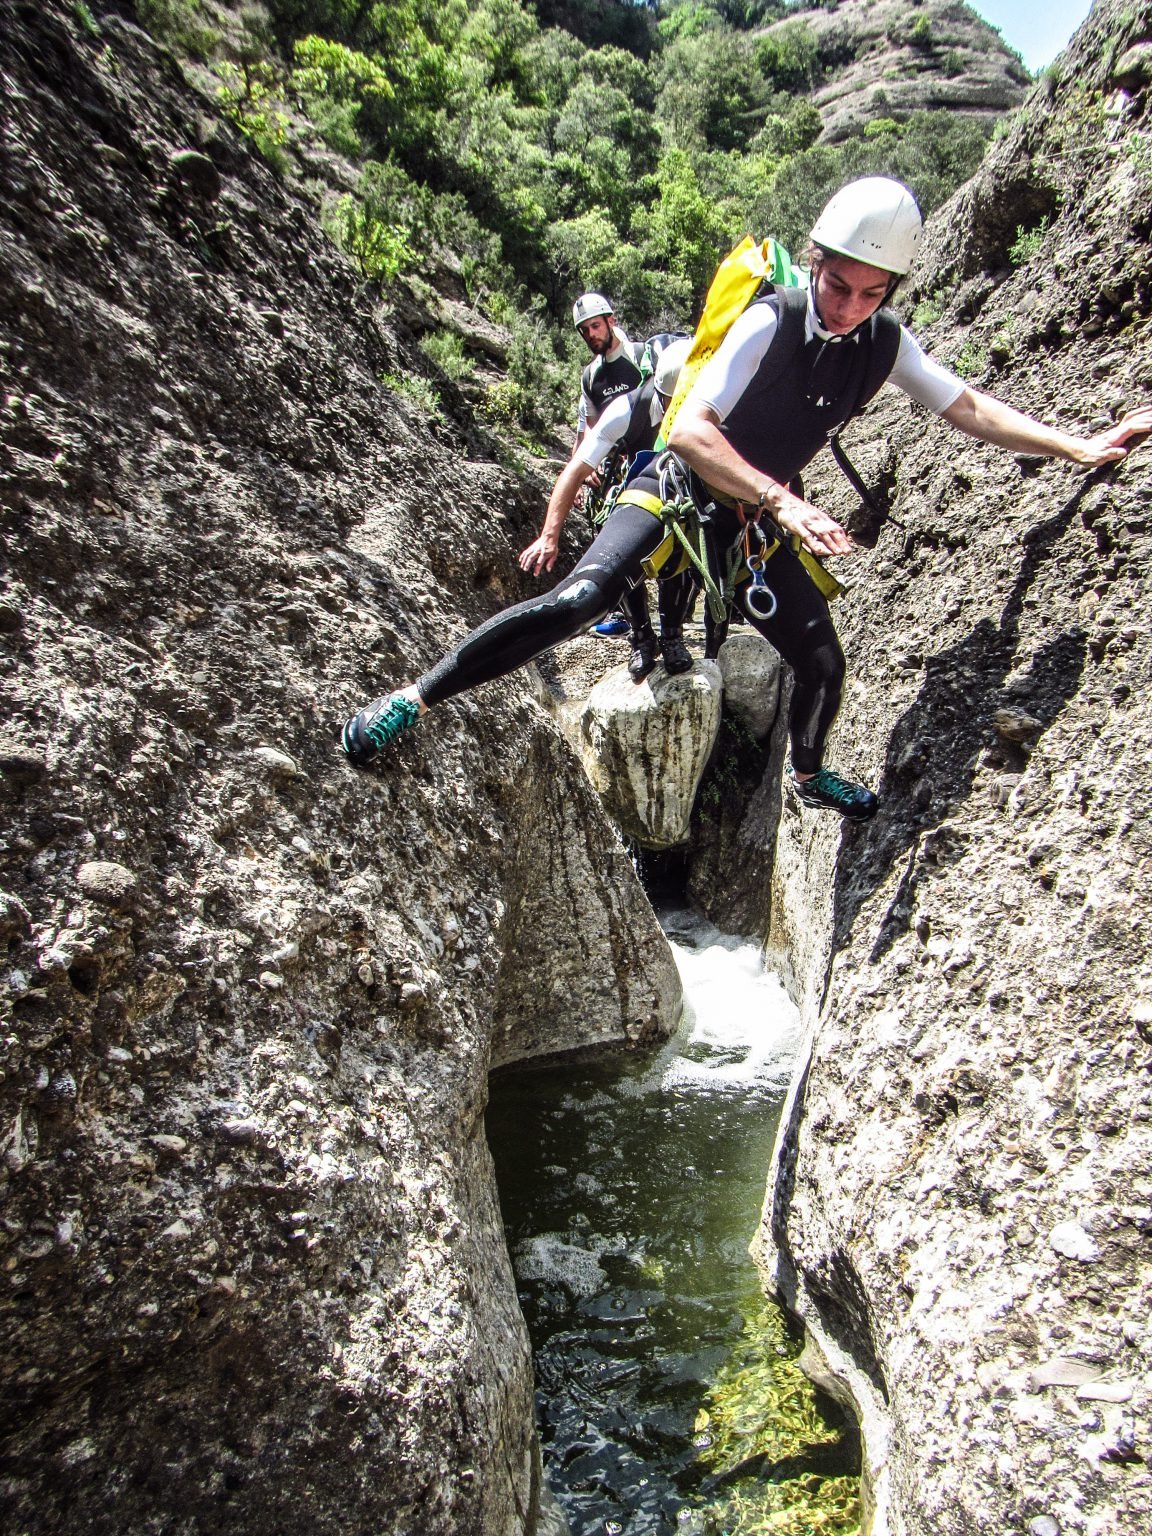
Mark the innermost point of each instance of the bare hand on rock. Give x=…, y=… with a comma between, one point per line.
x=1108, y=446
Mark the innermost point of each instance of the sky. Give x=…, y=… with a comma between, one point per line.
x=1038, y=31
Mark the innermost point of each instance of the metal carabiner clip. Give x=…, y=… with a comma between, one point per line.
x=759, y=599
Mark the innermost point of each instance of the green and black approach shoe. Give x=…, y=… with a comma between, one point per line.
x=827, y=791
x=376, y=726
x=644, y=653
x=677, y=656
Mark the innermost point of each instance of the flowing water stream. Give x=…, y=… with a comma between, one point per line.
x=668, y=1394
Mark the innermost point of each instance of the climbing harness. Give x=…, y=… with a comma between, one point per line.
x=677, y=510
x=689, y=534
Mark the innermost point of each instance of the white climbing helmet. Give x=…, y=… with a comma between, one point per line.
x=874, y=220
x=588, y=306
x=669, y=364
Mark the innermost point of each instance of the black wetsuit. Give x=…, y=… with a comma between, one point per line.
x=601, y=380
x=778, y=429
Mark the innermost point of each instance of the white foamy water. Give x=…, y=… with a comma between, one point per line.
x=549, y=1257
x=741, y=1030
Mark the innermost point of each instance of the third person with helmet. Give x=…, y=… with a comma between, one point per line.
x=793, y=367
x=609, y=386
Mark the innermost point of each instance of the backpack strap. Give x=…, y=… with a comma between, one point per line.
x=881, y=359
x=791, y=306
x=639, y=433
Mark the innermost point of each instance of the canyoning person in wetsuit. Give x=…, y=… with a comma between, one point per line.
x=627, y=426
x=746, y=429
x=615, y=366
x=615, y=370
x=618, y=368
x=737, y=443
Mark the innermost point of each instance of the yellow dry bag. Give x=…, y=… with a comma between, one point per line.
x=738, y=279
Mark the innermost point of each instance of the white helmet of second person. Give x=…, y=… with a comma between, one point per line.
x=669, y=364
x=588, y=306
x=875, y=220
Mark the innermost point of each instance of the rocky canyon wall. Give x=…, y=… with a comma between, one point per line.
x=252, y=1268
x=962, y=1205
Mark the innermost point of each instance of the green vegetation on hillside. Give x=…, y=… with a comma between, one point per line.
x=554, y=147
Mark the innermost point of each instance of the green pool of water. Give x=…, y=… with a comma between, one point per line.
x=668, y=1394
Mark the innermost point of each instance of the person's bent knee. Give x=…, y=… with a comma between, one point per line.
x=581, y=599
x=823, y=667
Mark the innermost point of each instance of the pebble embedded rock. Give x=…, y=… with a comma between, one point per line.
x=109, y=883
x=983, y=1133
x=198, y=171
x=1070, y=1240
x=20, y=764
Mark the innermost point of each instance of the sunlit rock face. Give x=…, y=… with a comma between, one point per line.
x=570, y=875
x=961, y=1205
x=646, y=748
x=890, y=58
x=750, y=671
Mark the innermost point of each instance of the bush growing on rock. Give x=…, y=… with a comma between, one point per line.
x=625, y=153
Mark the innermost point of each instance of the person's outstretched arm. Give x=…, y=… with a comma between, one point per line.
x=541, y=554
x=984, y=417
x=590, y=450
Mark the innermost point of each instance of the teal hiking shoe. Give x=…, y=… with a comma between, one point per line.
x=827, y=791
x=376, y=726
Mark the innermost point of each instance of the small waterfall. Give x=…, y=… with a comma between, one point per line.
x=668, y=1394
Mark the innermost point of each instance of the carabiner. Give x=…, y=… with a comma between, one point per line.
x=759, y=599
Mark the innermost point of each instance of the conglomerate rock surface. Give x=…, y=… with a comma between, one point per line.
x=887, y=57
x=252, y=1268
x=962, y=1208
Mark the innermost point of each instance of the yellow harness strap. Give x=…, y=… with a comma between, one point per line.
x=825, y=582
x=668, y=546
x=642, y=499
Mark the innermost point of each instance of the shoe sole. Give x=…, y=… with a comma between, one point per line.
x=354, y=750
x=866, y=815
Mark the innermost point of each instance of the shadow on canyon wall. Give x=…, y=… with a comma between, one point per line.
x=935, y=747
